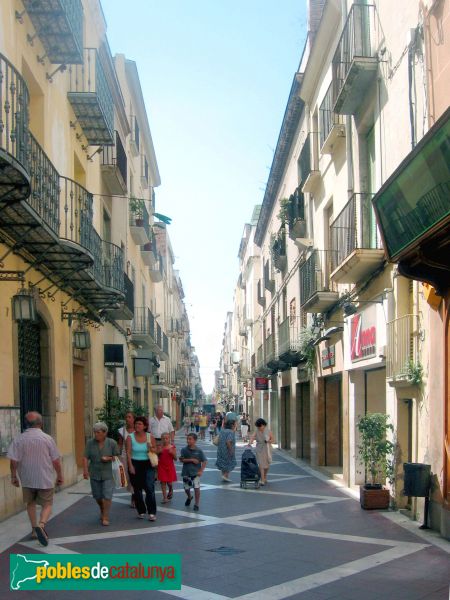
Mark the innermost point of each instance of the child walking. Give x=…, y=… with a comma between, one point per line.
x=212, y=429
x=194, y=463
x=166, y=467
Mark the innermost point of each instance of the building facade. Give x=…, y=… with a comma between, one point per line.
x=91, y=306
x=338, y=329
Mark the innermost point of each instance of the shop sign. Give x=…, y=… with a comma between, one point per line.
x=113, y=355
x=363, y=335
x=328, y=357
x=261, y=383
x=249, y=393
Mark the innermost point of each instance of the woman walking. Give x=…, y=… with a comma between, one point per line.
x=226, y=458
x=142, y=474
x=263, y=448
x=124, y=432
x=97, y=465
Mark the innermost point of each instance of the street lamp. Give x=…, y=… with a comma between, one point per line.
x=23, y=306
x=81, y=339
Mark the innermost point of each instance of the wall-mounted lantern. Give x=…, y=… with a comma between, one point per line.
x=24, y=306
x=81, y=339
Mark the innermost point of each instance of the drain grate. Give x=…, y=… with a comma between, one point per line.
x=226, y=550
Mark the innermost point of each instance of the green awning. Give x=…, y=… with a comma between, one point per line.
x=415, y=200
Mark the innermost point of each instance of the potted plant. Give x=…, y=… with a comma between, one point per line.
x=137, y=207
x=377, y=454
x=414, y=372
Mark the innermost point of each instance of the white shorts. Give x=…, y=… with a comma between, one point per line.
x=244, y=430
x=191, y=482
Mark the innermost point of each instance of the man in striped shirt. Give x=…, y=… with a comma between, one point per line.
x=34, y=457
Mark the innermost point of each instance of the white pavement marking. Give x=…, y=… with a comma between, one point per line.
x=309, y=582
x=342, y=537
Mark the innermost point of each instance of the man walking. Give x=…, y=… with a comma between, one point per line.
x=34, y=457
x=160, y=424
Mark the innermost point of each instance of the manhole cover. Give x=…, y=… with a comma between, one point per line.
x=226, y=550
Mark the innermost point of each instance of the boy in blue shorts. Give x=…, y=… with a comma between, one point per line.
x=194, y=463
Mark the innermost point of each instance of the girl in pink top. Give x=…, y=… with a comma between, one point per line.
x=166, y=467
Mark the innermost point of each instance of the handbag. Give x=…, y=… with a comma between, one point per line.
x=215, y=440
x=118, y=472
x=152, y=456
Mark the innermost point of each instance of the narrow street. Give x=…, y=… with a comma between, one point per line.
x=299, y=537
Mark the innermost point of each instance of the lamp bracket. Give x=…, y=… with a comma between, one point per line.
x=61, y=68
x=98, y=151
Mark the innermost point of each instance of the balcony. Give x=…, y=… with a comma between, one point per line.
x=135, y=139
x=355, y=239
x=91, y=99
x=126, y=311
x=331, y=124
x=245, y=371
x=355, y=62
x=402, y=348
x=164, y=349
x=139, y=222
x=114, y=167
x=14, y=118
x=272, y=360
x=308, y=163
x=317, y=292
x=413, y=209
x=246, y=313
x=269, y=282
x=174, y=328
x=294, y=214
x=157, y=270
x=59, y=25
x=278, y=250
x=289, y=341
x=260, y=361
x=261, y=294
x=143, y=329
x=144, y=172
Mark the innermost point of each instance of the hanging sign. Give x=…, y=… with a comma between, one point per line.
x=113, y=355
x=363, y=335
x=328, y=357
x=261, y=383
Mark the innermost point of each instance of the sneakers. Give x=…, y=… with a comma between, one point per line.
x=227, y=479
x=41, y=535
x=196, y=507
x=188, y=501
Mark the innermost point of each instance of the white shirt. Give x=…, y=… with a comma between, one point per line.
x=160, y=426
x=34, y=451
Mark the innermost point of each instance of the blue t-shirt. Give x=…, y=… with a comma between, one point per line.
x=191, y=469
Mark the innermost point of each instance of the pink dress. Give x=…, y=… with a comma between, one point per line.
x=166, y=466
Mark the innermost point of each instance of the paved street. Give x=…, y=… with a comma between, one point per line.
x=299, y=537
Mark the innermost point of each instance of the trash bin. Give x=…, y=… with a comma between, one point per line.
x=417, y=479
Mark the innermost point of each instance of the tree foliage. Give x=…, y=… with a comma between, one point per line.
x=114, y=410
x=375, y=450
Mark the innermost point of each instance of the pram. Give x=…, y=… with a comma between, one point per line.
x=249, y=469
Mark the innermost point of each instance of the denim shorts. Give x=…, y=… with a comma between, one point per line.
x=102, y=489
x=189, y=482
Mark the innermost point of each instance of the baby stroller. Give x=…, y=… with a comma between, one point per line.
x=249, y=469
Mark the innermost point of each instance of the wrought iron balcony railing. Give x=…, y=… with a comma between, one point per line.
x=308, y=163
x=354, y=227
x=278, y=250
x=114, y=166
x=289, y=336
x=76, y=213
x=112, y=262
x=143, y=322
x=260, y=363
x=45, y=193
x=14, y=114
x=135, y=140
x=59, y=25
x=355, y=61
x=329, y=120
x=91, y=99
x=315, y=275
x=402, y=347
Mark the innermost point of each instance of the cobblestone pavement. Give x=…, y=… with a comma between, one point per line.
x=298, y=537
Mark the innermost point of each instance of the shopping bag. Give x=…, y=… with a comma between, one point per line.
x=119, y=475
x=216, y=440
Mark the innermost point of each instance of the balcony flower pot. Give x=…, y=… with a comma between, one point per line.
x=376, y=453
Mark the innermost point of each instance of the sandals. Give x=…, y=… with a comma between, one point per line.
x=105, y=522
x=151, y=517
x=165, y=501
x=170, y=495
x=41, y=534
